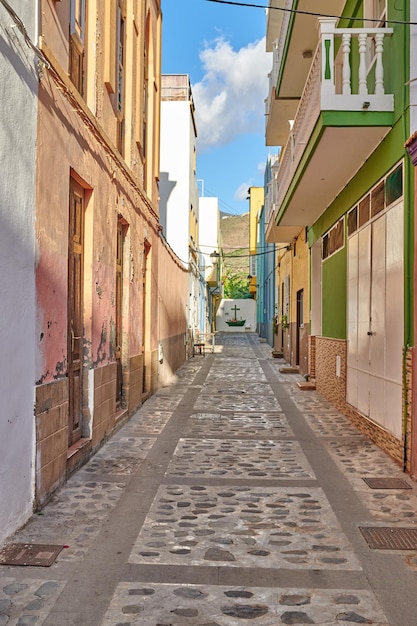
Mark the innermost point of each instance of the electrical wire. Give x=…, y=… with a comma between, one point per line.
x=300, y=12
x=21, y=27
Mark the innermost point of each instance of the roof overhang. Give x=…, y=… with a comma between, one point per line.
x=322, y=174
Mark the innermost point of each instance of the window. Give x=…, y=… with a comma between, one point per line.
x=352, y=220
x=375, y=17
x=377, y=199
x=145, y=88
x=387, y=191
x=394, y=185
x=76, y=44
x=252, y=264
x=334, y=240
x=120, y=86
x=77, y=17
x=364, y=208
x=375, y=13
x=380, y=12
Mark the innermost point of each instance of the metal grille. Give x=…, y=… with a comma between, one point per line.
x=29, y=554
x=387, y=483
x=390, y=538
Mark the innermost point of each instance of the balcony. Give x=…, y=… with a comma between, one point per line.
x=343, y=114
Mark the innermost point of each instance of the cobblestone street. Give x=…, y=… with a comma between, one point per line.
x=231, y=497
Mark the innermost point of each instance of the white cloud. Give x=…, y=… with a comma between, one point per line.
x=261, y=167
x=241, y=192
x=229, y=100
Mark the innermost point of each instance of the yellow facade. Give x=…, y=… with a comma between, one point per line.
x=293, y=306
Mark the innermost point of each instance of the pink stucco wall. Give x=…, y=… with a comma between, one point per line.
x=68, y=147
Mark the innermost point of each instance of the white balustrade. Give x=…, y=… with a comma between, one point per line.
x=329, y=87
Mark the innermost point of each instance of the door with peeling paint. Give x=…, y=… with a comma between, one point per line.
x=75, y=308
x=119, y=308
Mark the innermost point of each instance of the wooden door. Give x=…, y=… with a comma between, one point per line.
x=75, y=310
x=145, y=288
x=300, y=324
x=119, y=305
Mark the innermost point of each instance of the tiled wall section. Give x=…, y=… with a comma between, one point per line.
x=104, y=403
x=333, y=388
x=51, y=414
x=133, y=382
x=408, y=398
x=328, y=384
x=312, y=356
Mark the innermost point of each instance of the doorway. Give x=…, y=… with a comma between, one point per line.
x=119, y=313
x=300, y=324
x=75, y=310
x=375, y=320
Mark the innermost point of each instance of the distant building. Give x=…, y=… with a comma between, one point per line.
x=178, y=188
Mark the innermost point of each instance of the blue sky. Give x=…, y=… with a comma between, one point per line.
x=222, y=48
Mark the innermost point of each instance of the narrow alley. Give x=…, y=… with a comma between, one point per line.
x=231, y=497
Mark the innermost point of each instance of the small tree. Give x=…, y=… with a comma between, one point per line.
x=236, y=285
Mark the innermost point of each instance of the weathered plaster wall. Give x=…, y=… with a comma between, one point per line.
x=172, y=301
x=70, y=146
x=107, y=197
x=18, y=85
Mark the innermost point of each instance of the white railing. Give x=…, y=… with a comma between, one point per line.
x=277, y=56
x=337, y=77
x=329, y=87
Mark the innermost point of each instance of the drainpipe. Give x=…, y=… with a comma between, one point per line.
x=409, y=302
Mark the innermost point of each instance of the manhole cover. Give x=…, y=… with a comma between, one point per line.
x=38, y=555
x=387, y=483
x=390, y=538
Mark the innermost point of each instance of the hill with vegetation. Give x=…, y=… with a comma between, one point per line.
x=235, y=235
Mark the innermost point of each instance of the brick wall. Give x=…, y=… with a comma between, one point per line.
x=312, y=356
x=408, y=400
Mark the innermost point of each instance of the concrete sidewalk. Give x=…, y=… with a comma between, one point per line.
x=231, y=497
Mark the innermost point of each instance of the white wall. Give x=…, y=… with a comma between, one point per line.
x=18, y=116
x=247, y=311
x=175, y=162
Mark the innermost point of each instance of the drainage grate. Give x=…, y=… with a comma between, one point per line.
x=390, y=538
x=38, y=555
x=387, y=483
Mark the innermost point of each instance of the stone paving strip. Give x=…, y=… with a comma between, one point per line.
x=235, y=425
x=166, y=605
x=27, y=603
x=237, y=402
x=239, y=458
x=359, y=458
x=230, y=497
x=243, y=527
